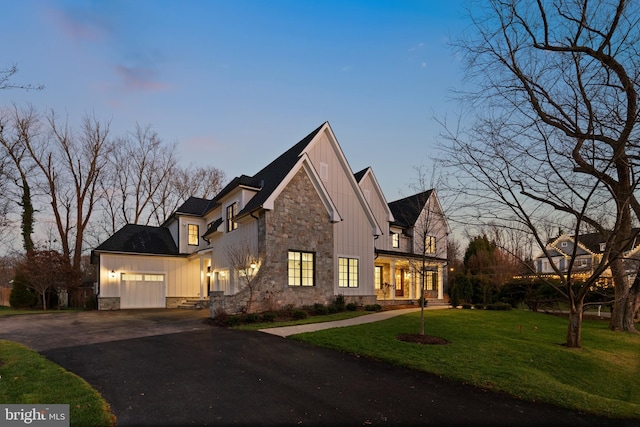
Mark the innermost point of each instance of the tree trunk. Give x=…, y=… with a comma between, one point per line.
x=574, y=330
x=626, y=303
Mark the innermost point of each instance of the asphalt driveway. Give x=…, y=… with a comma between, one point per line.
x=169, y=368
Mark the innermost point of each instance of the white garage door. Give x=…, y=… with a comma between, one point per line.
x=142, y=291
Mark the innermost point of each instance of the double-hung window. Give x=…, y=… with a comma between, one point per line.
x=232, y=211
x=193, y=232
x=301, y=268
x=347, y=272
x=430, y=245
x=395, y=240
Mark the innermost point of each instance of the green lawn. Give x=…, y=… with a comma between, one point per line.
x=26, y=377
x=516, y=352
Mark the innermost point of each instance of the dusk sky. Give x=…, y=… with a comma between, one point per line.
x=236, y=83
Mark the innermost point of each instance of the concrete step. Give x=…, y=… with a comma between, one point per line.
x=194, y=304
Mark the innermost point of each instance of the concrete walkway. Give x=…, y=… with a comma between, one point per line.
x=285, y=331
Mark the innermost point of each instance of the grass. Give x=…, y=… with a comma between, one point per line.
x=312, y=319
x=516, y=352
x=26, y=377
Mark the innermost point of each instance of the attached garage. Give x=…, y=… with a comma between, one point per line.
x=142, y=290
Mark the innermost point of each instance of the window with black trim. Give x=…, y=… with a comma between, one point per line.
x=348, y=273
x=232, y=211
x=301, y=268
x=193, y=232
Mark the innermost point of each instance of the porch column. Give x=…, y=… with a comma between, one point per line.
x=202, y=277
x=441, y=282
x=393, y=278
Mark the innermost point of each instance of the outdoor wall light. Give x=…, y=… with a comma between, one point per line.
x=254, y=265
x=112, y=274
x=208, y=271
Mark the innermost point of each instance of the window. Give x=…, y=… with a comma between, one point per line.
x=430, y=280
x=194, y=234
x=563, y=244
x=301, y=266
x=377, y=278
x=395, y=240
x=348, y=272
x=232, y=211
x=430, y=245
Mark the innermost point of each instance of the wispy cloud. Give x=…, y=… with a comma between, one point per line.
x=139, y=78
x=78, y=25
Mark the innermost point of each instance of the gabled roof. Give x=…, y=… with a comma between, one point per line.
x=270, y=177
x=407, y=211
x=140, y=239
x=195, y=206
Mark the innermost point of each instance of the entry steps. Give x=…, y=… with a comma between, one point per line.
x=194, y=304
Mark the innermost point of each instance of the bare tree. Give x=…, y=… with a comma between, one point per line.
x=138, y=168
x=554, y=141
x=245, y=262
x=72, y=166
x=6, y=74
x=184, y=182
x=45, y=271
x=17, y=129
x=424, y=213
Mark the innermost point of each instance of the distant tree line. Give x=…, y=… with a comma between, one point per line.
x=84, y=184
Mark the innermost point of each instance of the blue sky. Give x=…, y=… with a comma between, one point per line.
x=235, y=83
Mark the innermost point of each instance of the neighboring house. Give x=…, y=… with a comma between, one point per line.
x=587, y=253
x=314, y=230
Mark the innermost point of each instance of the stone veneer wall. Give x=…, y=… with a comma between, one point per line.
x=109, y=303
x=299, y=221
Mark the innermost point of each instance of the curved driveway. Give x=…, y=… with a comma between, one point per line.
x=169, y=368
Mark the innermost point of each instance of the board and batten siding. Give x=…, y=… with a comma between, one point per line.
x=353, y=235
x=380, y=210
x=182, y=276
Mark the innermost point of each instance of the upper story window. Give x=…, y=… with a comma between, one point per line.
x=430, y=245
x=232, y=211
x=395, y=240
x=193, y=232
x=348, y=272
x=563, y=244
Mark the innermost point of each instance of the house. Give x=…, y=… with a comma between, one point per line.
x=586, y=251
x=306, y=226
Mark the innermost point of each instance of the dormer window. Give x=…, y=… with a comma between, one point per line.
x=603, y=246
x=193, y=234
x=563, y=244
x=232, y=211
x=395, y=240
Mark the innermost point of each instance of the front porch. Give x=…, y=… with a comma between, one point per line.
x=399, y=281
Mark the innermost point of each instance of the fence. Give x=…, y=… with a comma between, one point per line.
x=4, y=296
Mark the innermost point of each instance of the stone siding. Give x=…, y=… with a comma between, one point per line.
x=299, y=222
x=109, y=303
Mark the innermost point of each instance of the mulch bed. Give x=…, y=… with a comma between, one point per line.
x=422, y=339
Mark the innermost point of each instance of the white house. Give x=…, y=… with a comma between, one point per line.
x=312, y=230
